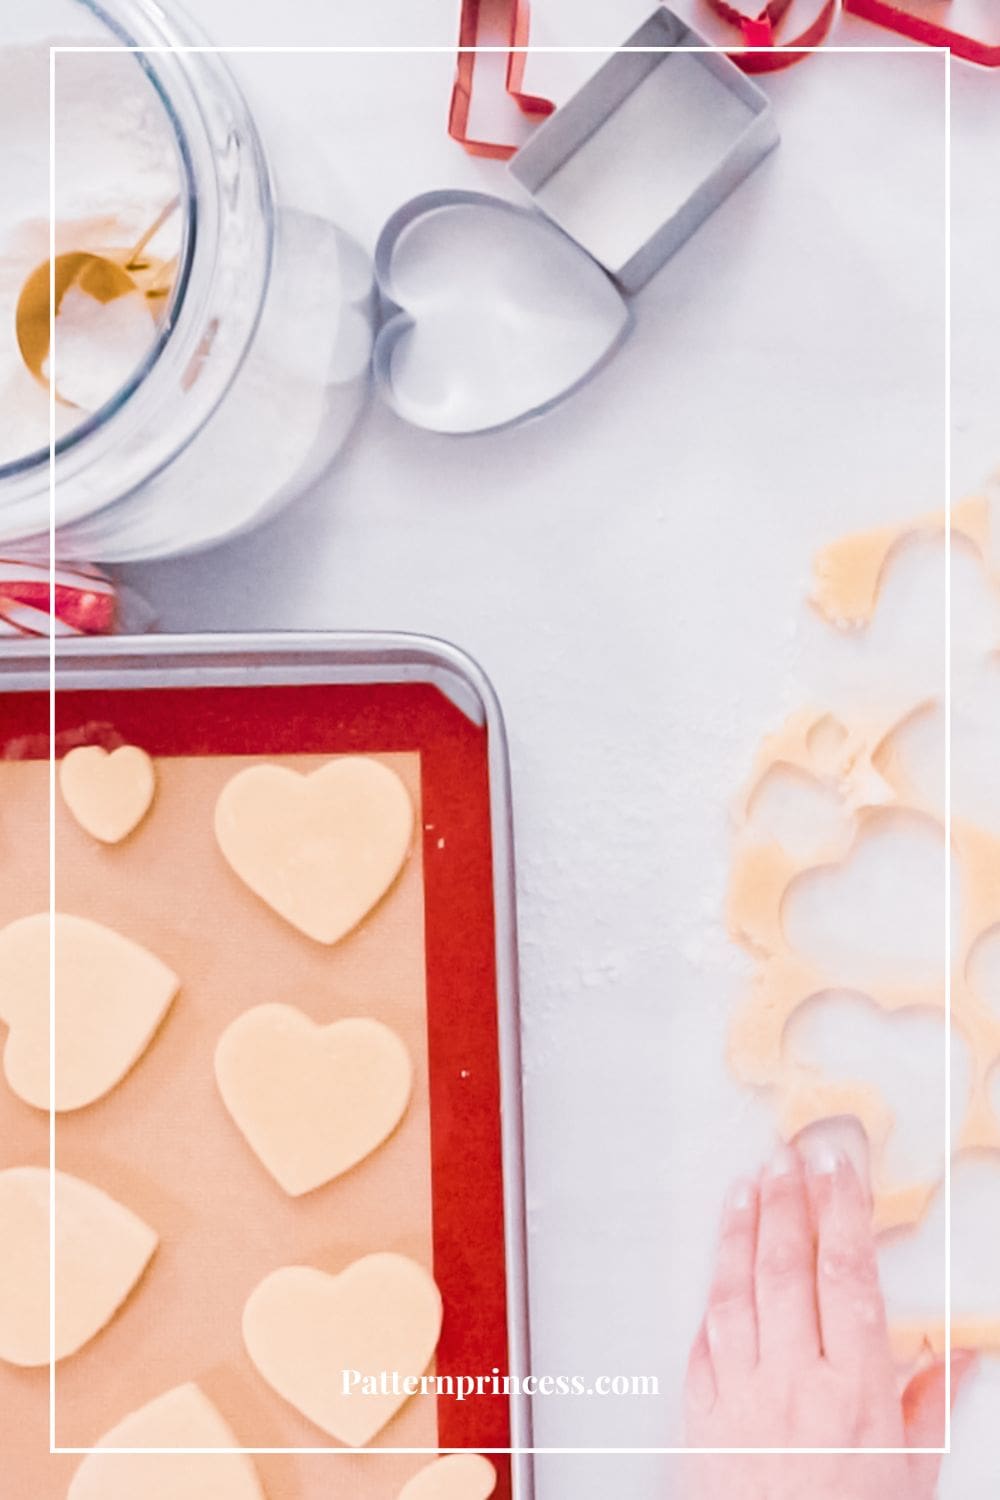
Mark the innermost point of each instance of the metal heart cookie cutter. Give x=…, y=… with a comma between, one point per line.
x=493, y=312
x=490, y=313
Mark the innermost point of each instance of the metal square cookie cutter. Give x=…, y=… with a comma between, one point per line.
x=647, y=149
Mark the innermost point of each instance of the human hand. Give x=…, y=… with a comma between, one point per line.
x=794, y=1350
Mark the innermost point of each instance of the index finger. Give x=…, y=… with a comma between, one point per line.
x=853, y=1327
x=786, y=1267
x=731, y=1318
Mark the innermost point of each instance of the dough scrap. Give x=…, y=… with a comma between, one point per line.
x=312, y=1101
x=101, y=1250
x=848, y=574
x=856, y=759
x=910, y=1341
x=110, y=996
x=181, y=1418
x=320, y=849
x=303, y=1328
x=761, y=878
x=108, y=794
x=456, y=1476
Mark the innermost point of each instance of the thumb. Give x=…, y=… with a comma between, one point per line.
x=923, y=1400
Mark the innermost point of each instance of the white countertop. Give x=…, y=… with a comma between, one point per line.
x=630, y=570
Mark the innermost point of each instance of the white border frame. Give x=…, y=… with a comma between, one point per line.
x=297, y=50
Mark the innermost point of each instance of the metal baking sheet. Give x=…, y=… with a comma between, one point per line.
x=322, y=694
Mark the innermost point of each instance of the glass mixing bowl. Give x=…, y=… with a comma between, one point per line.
x=260, y=364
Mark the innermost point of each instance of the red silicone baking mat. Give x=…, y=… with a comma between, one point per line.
x=442, y=913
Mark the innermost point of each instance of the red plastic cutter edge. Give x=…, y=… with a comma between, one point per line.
x=897, y=18
x=758, y=31
x=518, y=22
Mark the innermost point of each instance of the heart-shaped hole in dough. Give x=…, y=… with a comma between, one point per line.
x=876, y=916
x=913, y=1264
x=849, y=1042
x=312, y=1101
x=984, y=969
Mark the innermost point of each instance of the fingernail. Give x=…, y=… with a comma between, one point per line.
x=824, y=1159
x=740, y=1196
x=783, y=1163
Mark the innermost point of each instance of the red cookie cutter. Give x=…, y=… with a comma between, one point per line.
x=508, y=19
x=936, y=23
x=759, y=29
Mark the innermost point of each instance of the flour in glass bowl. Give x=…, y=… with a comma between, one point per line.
x=261, y=370
x=116, y=169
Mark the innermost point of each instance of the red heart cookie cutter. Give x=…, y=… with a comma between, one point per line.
x=759, y=28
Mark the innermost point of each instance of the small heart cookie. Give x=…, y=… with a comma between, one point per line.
x=108, y=794
x=181, y=1418
x=457, y=1476
x=308, y=1332
x=320, y=849
x=110, y=997
x=102, y=1249
x=312, y=1101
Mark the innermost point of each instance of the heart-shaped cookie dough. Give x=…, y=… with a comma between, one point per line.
x=320, y=849
x=108, y=794
x=457, y=1476
x=110, y=997
x=181, y=1418
x=312, y=1101
x=303, y=1329
x=102, y=1249
x=500, y=313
